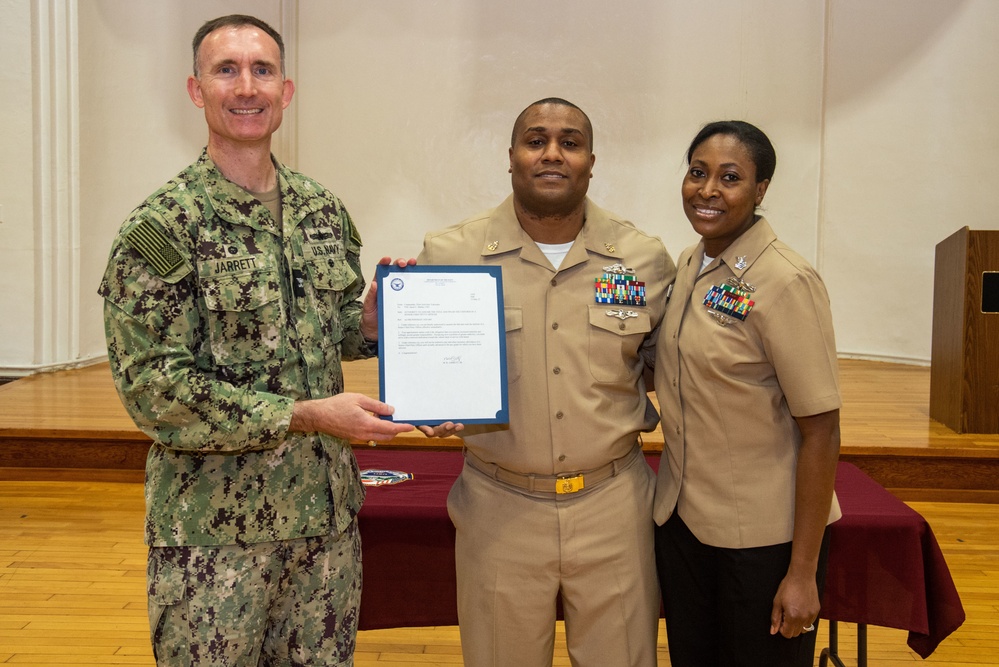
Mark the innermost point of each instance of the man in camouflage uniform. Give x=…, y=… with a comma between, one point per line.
x=231, y=296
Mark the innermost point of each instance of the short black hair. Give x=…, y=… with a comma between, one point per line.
x=558, y=101
x=234, y=21
x=761, y=151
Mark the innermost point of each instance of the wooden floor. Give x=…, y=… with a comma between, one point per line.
x=72, y=562
x=72, y=575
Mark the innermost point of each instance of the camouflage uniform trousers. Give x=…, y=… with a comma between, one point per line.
x=273, y=604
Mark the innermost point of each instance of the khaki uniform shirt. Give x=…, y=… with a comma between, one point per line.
x=577, y=396
x=218, y=318
x=729, y=391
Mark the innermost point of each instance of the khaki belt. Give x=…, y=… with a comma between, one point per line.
x=558, y=484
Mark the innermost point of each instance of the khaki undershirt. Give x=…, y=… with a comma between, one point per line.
x=270, y=199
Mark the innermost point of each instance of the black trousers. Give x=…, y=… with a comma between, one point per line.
x=718, y=602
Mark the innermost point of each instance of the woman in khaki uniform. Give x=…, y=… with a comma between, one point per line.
x=746, y=376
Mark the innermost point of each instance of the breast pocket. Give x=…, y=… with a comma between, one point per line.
x=514, y=322
x=330, y=277
x=614, y=341
x=246, y=313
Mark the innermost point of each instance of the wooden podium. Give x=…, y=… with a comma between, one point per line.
x=964, y=363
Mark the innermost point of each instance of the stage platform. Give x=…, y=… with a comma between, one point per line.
x=70, y=425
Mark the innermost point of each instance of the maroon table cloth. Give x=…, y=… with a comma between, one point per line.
x=407, y=541
x=885, y=567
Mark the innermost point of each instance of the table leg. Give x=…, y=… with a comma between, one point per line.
x=830, y=655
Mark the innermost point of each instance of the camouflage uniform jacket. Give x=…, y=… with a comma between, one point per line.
x=217, y=320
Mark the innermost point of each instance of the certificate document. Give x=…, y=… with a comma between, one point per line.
x=442, y=344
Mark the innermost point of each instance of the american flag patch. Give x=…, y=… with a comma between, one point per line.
x=154, y=247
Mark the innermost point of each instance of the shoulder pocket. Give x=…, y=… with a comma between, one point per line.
x=330, y=278
x=331, y=274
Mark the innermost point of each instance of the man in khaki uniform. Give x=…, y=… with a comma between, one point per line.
x=559, y=502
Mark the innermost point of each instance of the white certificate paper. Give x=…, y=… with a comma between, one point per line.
x=442, y=344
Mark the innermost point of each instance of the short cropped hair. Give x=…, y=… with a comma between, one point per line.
x=558, y=101
x=234, y=21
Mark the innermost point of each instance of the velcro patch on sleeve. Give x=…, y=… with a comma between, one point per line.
x=154, y=246
x=355, y=235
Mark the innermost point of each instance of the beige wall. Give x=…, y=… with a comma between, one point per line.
x=17, y=238
x=879, y=112
x=909, y=156
x=407, y=111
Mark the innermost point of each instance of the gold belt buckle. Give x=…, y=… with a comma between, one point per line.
x=569, y=484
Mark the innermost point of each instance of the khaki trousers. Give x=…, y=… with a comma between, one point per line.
x=516, y=552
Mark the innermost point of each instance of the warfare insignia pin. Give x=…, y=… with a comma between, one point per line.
x=723, y=320
x=741, y=284
x=618, y=269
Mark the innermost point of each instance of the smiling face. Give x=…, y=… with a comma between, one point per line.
x=240, y=86
x=550, y=160
x=720, y=192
